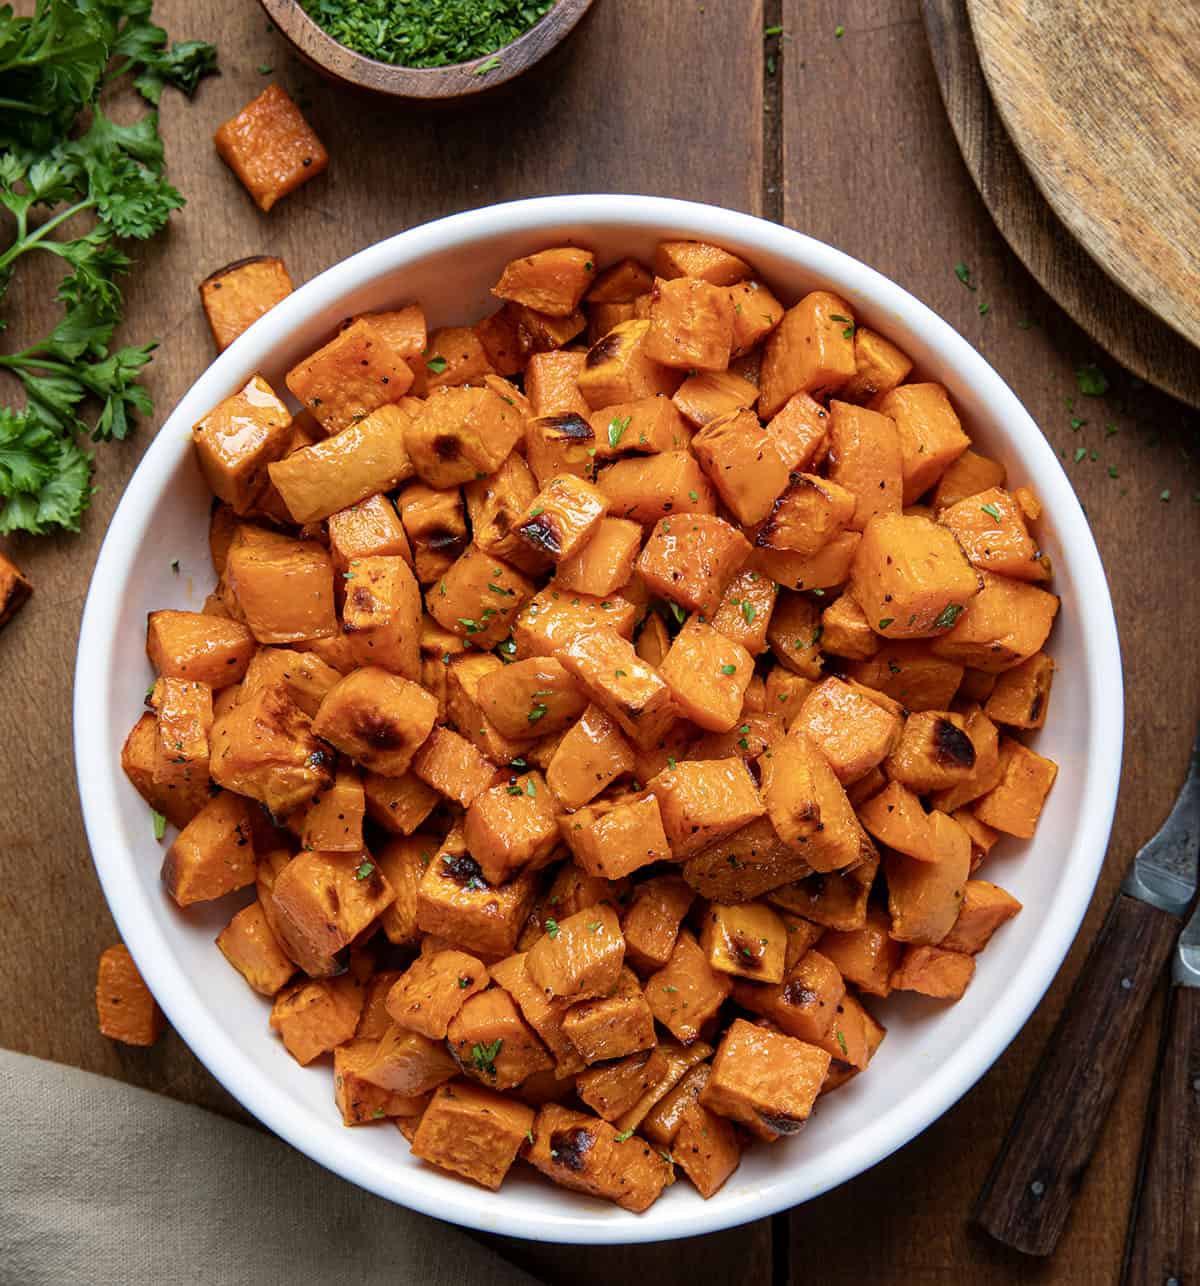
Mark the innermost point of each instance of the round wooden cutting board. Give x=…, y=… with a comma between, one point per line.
x=1102, y=100
x=1133, y=335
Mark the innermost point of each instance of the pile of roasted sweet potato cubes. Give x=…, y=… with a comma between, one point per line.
x=602, y=700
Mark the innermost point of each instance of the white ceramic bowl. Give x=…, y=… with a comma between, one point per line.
x=933, y=1052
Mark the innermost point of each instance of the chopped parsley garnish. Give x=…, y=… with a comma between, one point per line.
x=537, y=513
x=616, y=429
x=160, y=824
x=437, y=365
x=984, y=309
x=841, y=1040
x=625, y=1134
x=552, y=928
x=886, y=621
x=537, y=712
x=963, y=273
x=595, y=926
x=991, y=510
x=1091, y=380
x=484, y=1056
x=848, y=322
x=484, y=67
x=677, y=612
x=693, y=496
x=499, y=589
x=464, y=982
x=729, y=669
x=530, y=788
x=948, y=615
x=749, y=611
x=365, y=869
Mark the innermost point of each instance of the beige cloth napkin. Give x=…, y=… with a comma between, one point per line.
x=102, y=1184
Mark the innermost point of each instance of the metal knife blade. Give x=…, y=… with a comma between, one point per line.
x=1186, y=970
x=1164, y=871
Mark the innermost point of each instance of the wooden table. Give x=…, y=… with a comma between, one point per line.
x=846, y=139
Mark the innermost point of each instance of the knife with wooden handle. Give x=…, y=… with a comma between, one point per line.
x=1028, y=1195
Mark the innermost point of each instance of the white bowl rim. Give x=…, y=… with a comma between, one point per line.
x=97, y=771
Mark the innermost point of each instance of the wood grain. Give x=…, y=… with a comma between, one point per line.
x=1164, y=1231
x=1029, y=1194
x=1134, y=336
x=1102, y=101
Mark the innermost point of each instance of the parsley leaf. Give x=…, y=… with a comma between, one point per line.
x=991, y=510
x=1092, y=380
x=949, y=614
x=616, y=429
x=484, y=1056
x=160, y=824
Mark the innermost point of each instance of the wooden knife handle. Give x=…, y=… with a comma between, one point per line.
x=1164, y=1229
x=1027, y=1197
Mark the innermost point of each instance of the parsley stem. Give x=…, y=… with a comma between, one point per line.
x=13, y=105
x=24, y=243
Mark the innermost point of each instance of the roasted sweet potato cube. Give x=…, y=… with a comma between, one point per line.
x=472, y=1131
x=651, y=921
x=1003, y=625
x=511, y=826
x=708, y=674
x=764, y=1079
x=1021, y=695
x=305, y=678
x=405, y=1062
x=853, y=733
x=970, y=474
x=690, y=559
x=177, y=801
x=743, y=463
x=931, y=437
x=590, y=756
x=835, y=899
x=976, y=685
x=453, y=356
x=746, y=740
x=271, y=864
x=562, y=517
x=184, y=721
x=879, y=367
x=605, y=563
x=794, y=634
x=683, y=1064
x=562, y=442
x=802, y=936
x=456, y=903
x=756, y=312
x=250, y=945
x=712, y=395
x=663, y=1121
x=543, y=1013
x=744, y=613
x=433, y=989
x=271, y=147
x=554, y=617
x=582, y=958
x=1014, y=805
x=236, y=296
x=15, y=590
x=619, y=368
x=333, y=821
x=284, y=589
x=611, y=1089
x=238, y=439
x=213, y=854
x=810, y=513
x=360, y=1102
x=374, y=1020
x=784, y=692
x=550, y=281
x=803, y=1003
x=896, y=818
x=707, y=1148
x=991, y=529
x=828, y=567
x=987, y=770
x=866, y=956
x=462, y=433
x=404, y=862
x=687, y=991
x=581, y=1152
x=398, y=804
x=315, y=1015
x=621, y=282
x=531, y=697
x=925, y=897
x=125, y=1009
x=932, y=971
x=436, y=527
x=204, y=649
x=465, y=710
x=615, y=837
x=324, y=900
x=478, y=598
x=702, y=801
x=621, y=683
x=551, y=386
x=910, y=673
x=493, y=1043
x=846, y=632
x=911, y=577
x=691, y=324
x=800, y=433
x=810, y=351
x=934, y=752
x=647, y=488
x=983, y=838
x=747, y=940
x=745, y=864
x=611, y=1026
x=377, y=718
x=382, y=614
x=865, y=458
x=343, y=382
x=699, y=259
x=985, y=907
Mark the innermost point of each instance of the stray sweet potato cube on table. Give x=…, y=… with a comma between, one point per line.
x=562, y=517
x=743, y=463
x=708, y=675
x=804, y=1002
x=581, y=958
x=931, y=437
x=125, y=1009
x=652, y=919
x=703, y=801
x=284, y=589
x=377, y=718
x=316, y=1015
x=493, y=1043
x=271, y=147
x=810, y=351
x=747, y=941
x=925, y=897
x=472, y=1131
x=1006, y=623
x=687, y=991
x=359, y=1101
x=611, y=1026
x=456, y=903
x=616, y=837
x=249, y=944
x=431, y=991
x=238, y=439
x=851, y=731
x=236, y=296
x=690, y=558
x=213, y=854
x=324, y=900
x=462, y=434
x=879, y=367
x=15, y=590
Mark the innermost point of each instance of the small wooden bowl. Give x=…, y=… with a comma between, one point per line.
x=458, y=82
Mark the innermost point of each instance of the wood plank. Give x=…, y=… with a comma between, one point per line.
x=877, y=172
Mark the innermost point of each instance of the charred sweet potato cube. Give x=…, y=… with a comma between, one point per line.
x=532, y=697
x=324, y=900
x=808, y=807
x=690, y=559
x=436, y=527
x=271, y=147
x=616, y=837
x=830, y=566
x=744, y=613
x=236, y=296
x=647, y=488
x=453, y=356
x=461, y=434
x=543, y=1013
x=238, y=439
x=764, y=1079
x=315, y=1015
x=403, y=863
x=334, y=819
x=934, y=752
x=911, y=577
x=853, y=733
x=284, y=589
x=619, y=368
x=1014, y=805
x=878, y=367
x=741, y=866
x=794, y=635
x=810, y=351
x=803, y=1003
x=605, y=563
x=987, y=770
x=800, y=431
x=456, y=903
x=511, y=826
x=492, y=1042
x=184, y=721
x=582, y=958
x=691, y=324
x=405, y=1062
x=377, y=718
x=747, y=940
x=205, y=649
x=561, y=442
x=563, y=517
x=358, y=1100
x=944, y=975
x=590, y=756
x=910, y=673
x=250, y=945
x=835, y=899
x=702, y=801
x=699, y=259
x=865, y=458
x=687, y=991
x=550, y=281
x=433, y=989
x=611, y=1089
x=621, y=683
x=125, y=1009
x=866, y=956
x=472, y=1131
x=651, y=921
x=708, y=674
x=366, y=457
x=342, y=383
x=931, y=437
x=478, y=598
x=924, y=897
x=970, y=474
x=177, y=801
x=991, y=529
x=611, y=1026
x=305, y=677
x=398, y=804
x=1022, y=694
x=810, y=513
x=985, y=907
x=743, y=462
x=581, y=1152
x=495, y=504
x=1003, y=625
x=382, y=614
x=896, y=818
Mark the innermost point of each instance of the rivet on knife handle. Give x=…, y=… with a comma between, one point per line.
x=1027, y=1197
